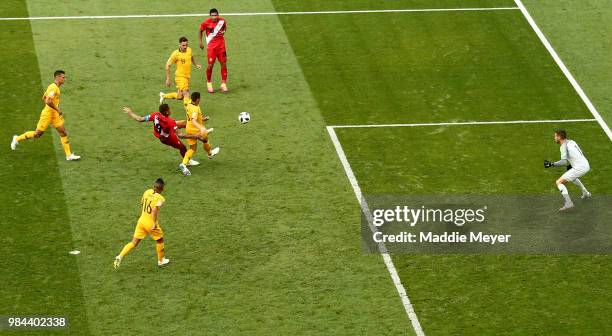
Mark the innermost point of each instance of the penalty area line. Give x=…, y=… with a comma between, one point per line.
x=381, y=246
x=152, y=16
x=564, y=69
x=460, y=123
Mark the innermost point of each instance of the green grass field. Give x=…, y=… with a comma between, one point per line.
x=265, y=239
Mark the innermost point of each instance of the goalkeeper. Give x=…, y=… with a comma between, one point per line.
x=577, y=166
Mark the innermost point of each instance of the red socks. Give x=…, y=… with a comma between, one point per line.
x=209, y=74
x=224, y=73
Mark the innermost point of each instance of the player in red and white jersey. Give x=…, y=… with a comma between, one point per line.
x=215, y=28
x=164, y=128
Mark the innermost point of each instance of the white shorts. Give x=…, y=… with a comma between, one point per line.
x=573, y=174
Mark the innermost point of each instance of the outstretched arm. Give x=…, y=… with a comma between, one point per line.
x=133, y=115
x=188, y=136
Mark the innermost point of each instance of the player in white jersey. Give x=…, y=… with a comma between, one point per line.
x=577, y=166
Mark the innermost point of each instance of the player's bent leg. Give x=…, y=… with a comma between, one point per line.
x=171, y=95
x=161, y=252
x=182, y=149
x=188, y=155
x=126, y=249
x=61, y=130
x=565, y=193
x=186, y=158
x=66, y=144
x=27, y=135
x=585, y=193
x=174, y=142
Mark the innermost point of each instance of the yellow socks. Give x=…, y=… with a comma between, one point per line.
x=66, y=145
x=188, y=156
x=26, y=135
x=126, y=249
x=208, y=148
x=160, y=251
x=171, y=95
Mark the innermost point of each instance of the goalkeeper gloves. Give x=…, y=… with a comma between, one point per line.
x=547, y=164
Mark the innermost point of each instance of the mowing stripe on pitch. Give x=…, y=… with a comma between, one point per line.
x=153, y=16
x=564, y=69
x=459, y=123
x=381, y=246
x=416, y=325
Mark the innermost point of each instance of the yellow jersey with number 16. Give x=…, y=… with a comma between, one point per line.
x=150, y=199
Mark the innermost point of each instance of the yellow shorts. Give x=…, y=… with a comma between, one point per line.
x=49, y=116
x=191, y=142
x=145, y=229
x=182, y=83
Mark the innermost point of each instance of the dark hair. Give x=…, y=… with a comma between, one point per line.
x=195, y=96
x=214, y=10
x=163, y=108
x=182, y=39
x=160, y=182
x=561, y=133
x=58, y=72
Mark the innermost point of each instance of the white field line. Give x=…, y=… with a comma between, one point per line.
x=459, y=123
x=566, y=72
x=152, y=16
x=368, y=214
x=381, y=246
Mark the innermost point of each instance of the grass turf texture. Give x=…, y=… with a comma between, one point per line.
x=256, y=237
x=267, y=236
x=38, y=275
x=468, y=66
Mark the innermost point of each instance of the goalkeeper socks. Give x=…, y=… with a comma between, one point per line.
x=126, y=249
x=188, y=156
x=66, y=145
x=208, y=148
x=26, y=135
x=209, y=74
x=160, y=251
x=223, y=73
x=564, y=192
x=579, y=184
x=171, y=95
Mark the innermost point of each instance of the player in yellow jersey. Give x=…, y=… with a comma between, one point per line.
x=50, y=115
x=148, y=224
x=195, y=125
x=183, y=58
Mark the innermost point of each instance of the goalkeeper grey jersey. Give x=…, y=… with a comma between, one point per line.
x=571, y=152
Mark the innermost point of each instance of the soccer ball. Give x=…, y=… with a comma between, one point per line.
x=244, y=117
